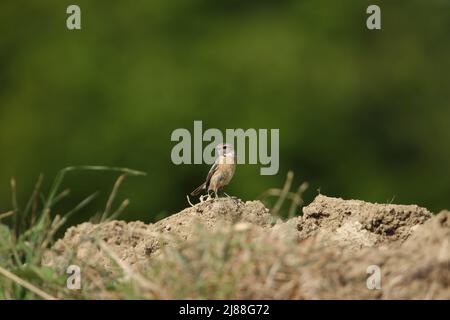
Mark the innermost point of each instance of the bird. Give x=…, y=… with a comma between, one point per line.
x=221, y=171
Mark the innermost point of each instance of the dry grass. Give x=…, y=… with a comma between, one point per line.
x=236, y=262
x=26, y=233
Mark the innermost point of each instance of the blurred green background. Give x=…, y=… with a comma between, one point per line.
x=362, y=114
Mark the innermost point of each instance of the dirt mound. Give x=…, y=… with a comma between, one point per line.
x=215, y=214
x=227, y=248
x=418, y=268
x=133, y=242
x=356, y=223
x=136, y=242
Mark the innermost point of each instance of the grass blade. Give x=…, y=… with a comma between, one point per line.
x=112, y=196
x=26, y=284
x=60, y=176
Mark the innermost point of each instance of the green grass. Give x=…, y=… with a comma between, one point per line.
x=25, y=234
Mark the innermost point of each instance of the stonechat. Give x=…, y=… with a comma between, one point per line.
x=221, y=172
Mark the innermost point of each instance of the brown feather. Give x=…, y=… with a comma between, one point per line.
x=198, y=189
x=205, y=185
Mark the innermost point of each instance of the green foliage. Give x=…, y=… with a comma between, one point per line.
x=363, y=114
x=26, y=234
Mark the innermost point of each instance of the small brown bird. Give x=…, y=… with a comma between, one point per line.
x=221, y=172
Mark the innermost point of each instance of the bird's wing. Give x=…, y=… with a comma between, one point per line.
x=210, y=174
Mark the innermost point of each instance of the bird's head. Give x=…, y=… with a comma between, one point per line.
x=225, y=149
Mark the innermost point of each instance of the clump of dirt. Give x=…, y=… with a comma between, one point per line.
x=215, y=214
x=418, y=268
x=227, y=248
x=133, y=242
x=356, y=223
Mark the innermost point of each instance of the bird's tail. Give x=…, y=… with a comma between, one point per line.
x=199, y=189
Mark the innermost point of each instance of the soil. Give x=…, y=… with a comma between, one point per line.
x=335, y=242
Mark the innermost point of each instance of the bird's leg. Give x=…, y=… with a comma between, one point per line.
x=212, y=195
x=209, y=196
